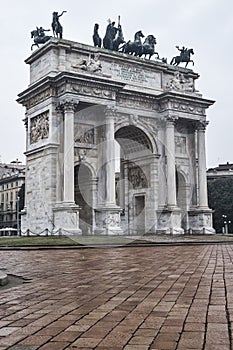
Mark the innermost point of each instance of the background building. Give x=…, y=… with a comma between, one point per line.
x=222, y=170
x=12, y=177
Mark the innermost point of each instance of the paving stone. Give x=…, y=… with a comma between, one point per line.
x=54, y=346
x=119, y=298
x=23, y=347
x=7, y=330
x=35, y=340
x=86, y=342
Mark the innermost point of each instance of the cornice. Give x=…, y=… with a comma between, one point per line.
x=75, y=83
x=184, y=104
x=173, y=96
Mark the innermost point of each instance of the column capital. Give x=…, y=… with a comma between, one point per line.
x=67, y=105
x=110, y=111
x=201, y=125
x=25, y=120
x=170, y=119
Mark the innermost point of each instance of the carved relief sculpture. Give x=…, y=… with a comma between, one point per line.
x=84, y=134
x=137, y=178
x=180, y=83
x=92, y=64
x=39, y=129
x=180, y=144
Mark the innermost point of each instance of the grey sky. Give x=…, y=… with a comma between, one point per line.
x=204, y=25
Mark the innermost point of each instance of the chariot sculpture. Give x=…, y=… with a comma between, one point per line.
x=114, y=40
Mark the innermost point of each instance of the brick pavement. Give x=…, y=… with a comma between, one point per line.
x=151, y=298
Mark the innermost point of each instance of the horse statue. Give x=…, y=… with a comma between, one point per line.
x=56, y=25
x=134, y=47
x=119, y=39
x=148, y=47
x=96, y=38
x=184, y=56
x=110, y=35
x=39, y=36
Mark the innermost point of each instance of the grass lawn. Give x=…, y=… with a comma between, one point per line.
x=63, y=241
x=108, y=240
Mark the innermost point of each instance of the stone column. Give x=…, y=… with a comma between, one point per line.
x=108, y=214
x=109, y=153
x=170, y=153
x=66, y=212
x=169, y=218
x=200, y=218
x=69, y=109
x=60, y=140
x=202, y=179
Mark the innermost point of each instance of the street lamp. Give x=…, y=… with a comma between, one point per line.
x=226, y=222
x=17, y=215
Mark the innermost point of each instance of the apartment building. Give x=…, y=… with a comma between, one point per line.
x=12, y=177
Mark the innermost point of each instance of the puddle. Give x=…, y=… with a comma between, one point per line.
x=14, y=281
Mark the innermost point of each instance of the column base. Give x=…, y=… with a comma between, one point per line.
x=169, y=221
x=66, y=219
x=200, y=221
x=108, y=221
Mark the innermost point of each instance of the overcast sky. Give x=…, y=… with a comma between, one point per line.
x=204, y=25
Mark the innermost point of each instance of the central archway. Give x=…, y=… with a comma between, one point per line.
x=133, y=179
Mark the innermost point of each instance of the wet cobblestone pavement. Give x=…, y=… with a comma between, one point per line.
x=131, y=298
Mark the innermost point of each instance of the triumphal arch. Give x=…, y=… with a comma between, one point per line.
x=115, y=144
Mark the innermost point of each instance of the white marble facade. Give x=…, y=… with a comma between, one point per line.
x=117, y=113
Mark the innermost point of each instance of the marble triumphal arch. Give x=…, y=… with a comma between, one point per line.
x=115, y=144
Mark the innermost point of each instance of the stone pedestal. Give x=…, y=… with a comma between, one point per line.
x=66, y=219
x=108, y=221
x=200, y=221
x=169, y=221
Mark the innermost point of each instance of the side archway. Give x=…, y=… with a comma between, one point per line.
x=83, y=195
x=182, y=194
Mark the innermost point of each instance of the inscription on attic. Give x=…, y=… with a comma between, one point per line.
x=135, y=75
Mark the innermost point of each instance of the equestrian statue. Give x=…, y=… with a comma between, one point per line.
x=39, y=37
x=185, y=55
x=56, y=25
